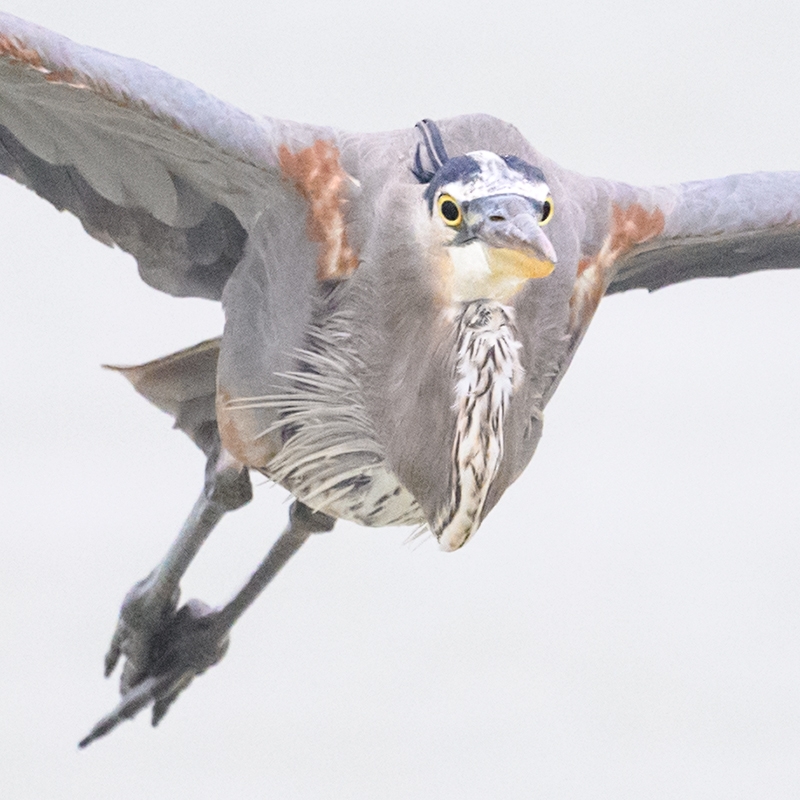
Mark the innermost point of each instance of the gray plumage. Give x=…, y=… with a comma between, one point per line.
x=338, y=371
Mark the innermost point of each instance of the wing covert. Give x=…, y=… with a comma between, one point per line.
x=717, y=228
x=146, y=161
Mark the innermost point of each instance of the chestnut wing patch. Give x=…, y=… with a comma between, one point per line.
x=630, y=226
x=319, y=178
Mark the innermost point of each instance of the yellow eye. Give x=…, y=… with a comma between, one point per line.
x=450, y=210
x=547, y=211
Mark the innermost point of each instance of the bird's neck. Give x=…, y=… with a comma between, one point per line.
x=488, y=369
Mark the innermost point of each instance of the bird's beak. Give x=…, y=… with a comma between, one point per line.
x=509, y=225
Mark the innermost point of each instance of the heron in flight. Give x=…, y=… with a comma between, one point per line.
x=399, y=307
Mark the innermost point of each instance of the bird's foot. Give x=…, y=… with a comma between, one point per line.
x=164, y=651
x=143, y=615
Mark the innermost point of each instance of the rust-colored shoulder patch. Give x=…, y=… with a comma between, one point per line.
x=320, y=179
x=629, y=226
x=633, y=225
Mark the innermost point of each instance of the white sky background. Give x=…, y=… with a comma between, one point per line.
x=626, y=623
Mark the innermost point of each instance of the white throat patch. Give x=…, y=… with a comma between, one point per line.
x=474, y=275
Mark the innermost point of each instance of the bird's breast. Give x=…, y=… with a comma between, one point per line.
x=488, y=370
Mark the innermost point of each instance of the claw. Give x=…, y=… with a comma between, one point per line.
x=143, y=614
x=130, y=705
x=185, y=646
x=114, y=651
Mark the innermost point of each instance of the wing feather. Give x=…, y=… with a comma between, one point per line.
x=146, y=161
x=717, y=228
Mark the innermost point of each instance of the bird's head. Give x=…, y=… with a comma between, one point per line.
x=487, y=211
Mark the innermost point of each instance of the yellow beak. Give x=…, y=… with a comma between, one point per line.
x=506, y=263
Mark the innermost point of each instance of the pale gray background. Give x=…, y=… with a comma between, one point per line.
x=626, y=623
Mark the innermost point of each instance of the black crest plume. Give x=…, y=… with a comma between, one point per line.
x=434, y=147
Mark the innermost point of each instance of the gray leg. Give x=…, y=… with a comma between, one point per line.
x=196, y=637
x=151, y=603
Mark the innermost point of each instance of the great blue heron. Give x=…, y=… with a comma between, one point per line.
x=225, y=238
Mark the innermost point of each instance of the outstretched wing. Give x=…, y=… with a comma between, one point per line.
x=637, y=238
x=146, y=161
x=715, y=228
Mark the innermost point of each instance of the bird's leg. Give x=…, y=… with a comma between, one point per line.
x=150, y=605
x=196, y=637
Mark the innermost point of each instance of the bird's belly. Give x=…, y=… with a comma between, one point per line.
x=368, y=493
